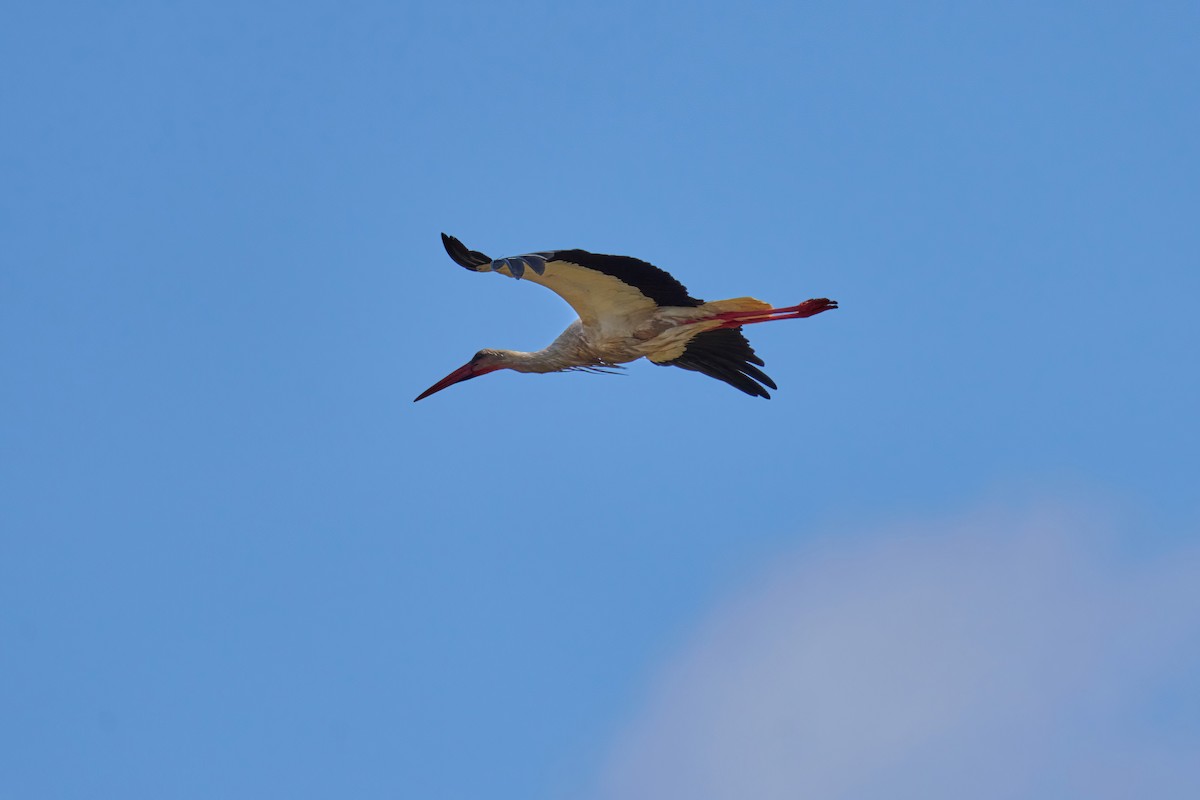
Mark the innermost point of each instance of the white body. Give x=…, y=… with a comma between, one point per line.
x=628, y=309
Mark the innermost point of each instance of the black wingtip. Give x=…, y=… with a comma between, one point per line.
x=727, y=356
x=469, y=259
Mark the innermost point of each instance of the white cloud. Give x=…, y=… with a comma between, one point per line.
x=989, y=657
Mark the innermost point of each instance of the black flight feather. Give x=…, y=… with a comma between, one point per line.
x=727, y=356
x=471, y=259
x=657, y=284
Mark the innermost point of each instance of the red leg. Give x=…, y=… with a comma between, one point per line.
x=808, y=308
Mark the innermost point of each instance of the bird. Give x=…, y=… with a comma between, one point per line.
x=628, y=309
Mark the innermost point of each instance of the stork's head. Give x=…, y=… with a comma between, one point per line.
x=481, y=363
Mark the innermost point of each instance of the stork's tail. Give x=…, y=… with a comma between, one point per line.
x=718, y=307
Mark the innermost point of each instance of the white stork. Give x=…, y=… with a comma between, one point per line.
x=628, y=309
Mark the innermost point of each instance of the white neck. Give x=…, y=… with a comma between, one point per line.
x=568, y=351
x=541, y=361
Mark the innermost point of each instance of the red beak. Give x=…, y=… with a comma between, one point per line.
x=463, y=373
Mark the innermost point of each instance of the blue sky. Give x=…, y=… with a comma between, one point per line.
x=235, y=559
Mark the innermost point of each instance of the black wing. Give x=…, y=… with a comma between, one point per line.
x=471, y=259
x=659, y=285
x=727, y=356
x=597, y=286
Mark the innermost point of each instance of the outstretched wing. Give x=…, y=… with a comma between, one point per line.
x=724, y=354
x=596, y=285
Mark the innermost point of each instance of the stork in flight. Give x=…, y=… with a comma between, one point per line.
x=628, y=309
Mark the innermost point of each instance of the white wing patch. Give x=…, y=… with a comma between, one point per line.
x=670, y=344
x=594, y=295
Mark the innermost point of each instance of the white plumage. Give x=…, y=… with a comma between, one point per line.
x=628, y=309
